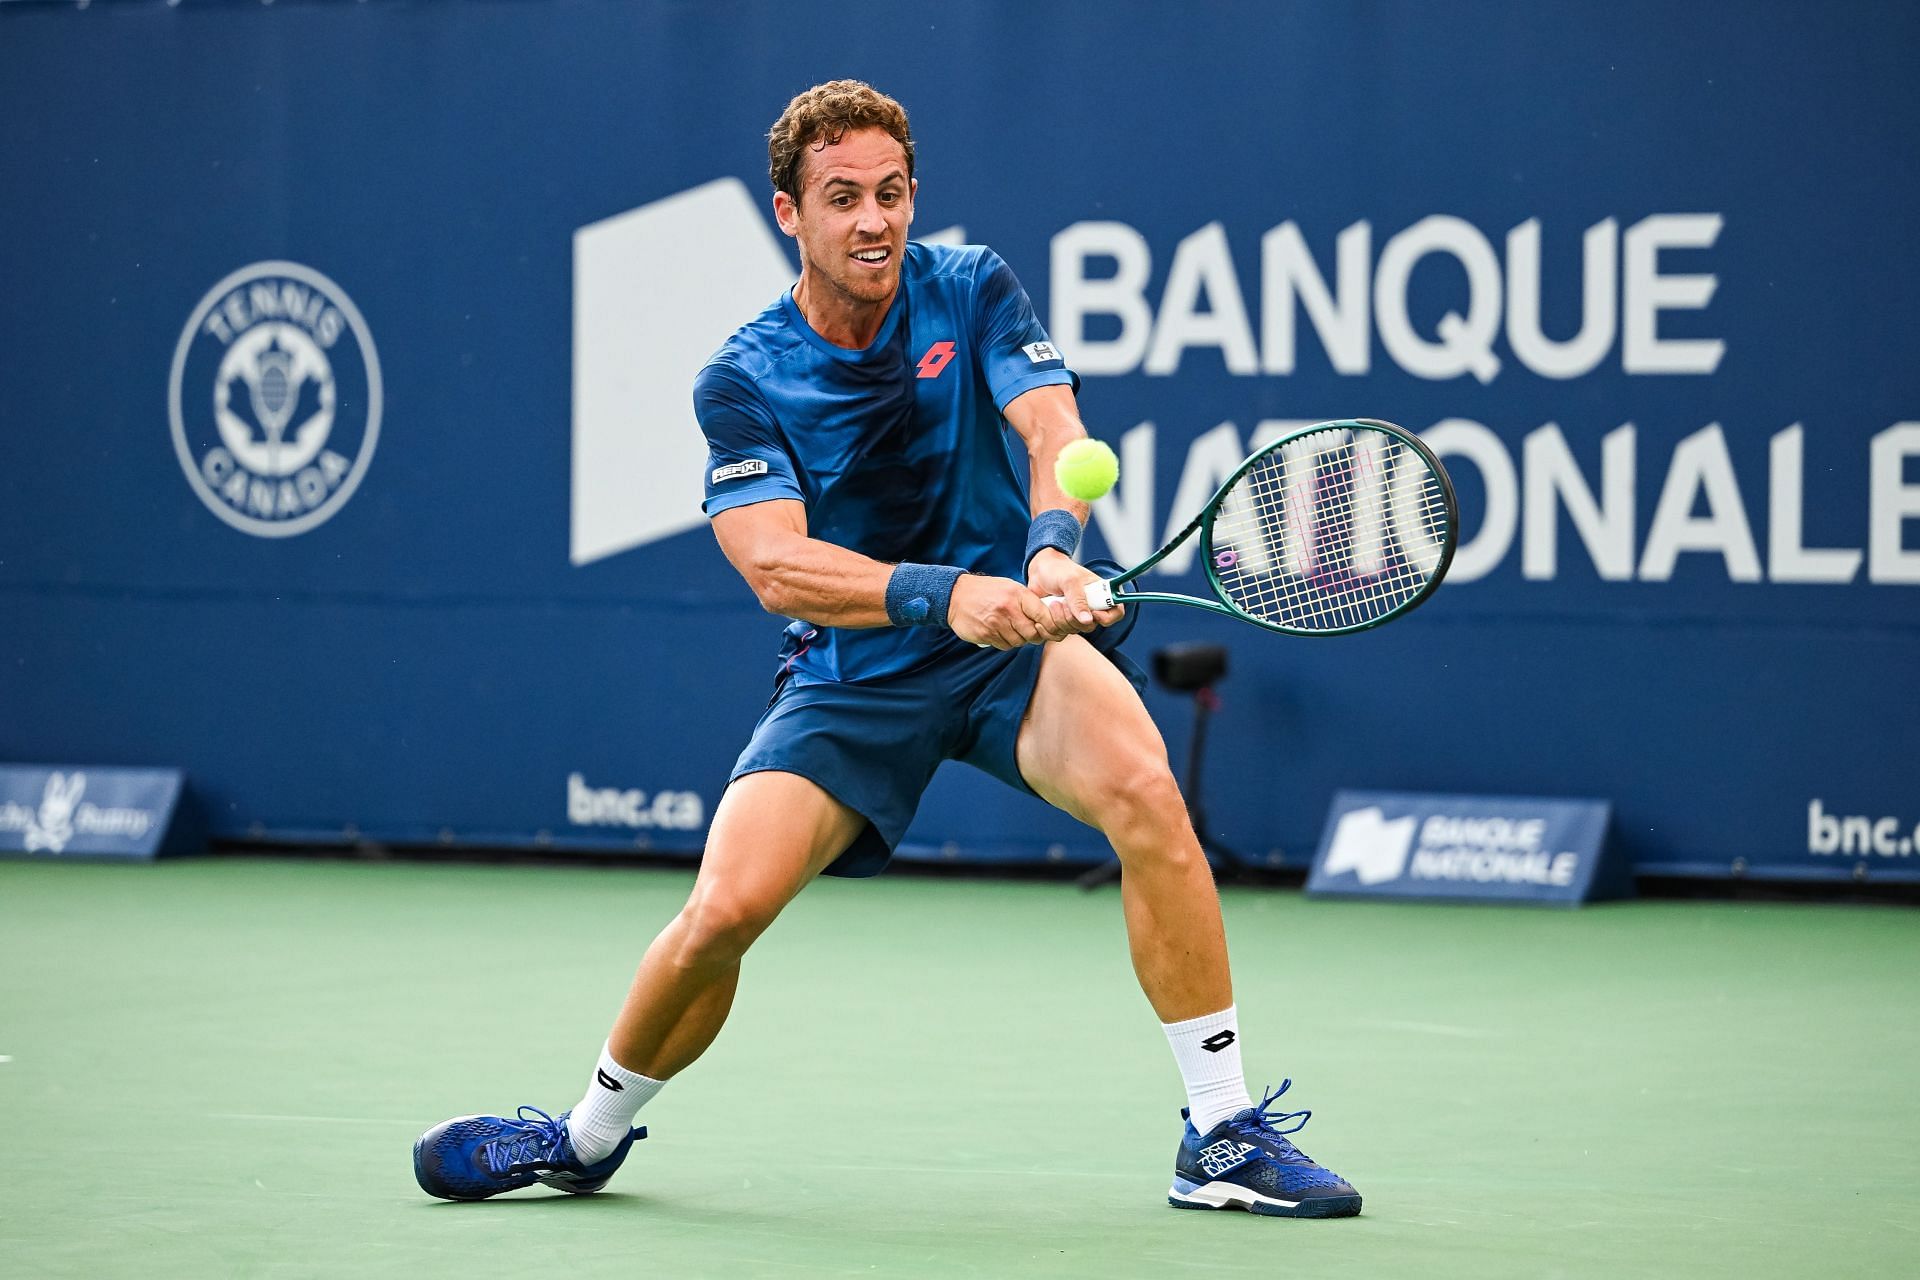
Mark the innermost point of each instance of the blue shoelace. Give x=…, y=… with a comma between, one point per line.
x=1266, y=1125
x=529, y=1142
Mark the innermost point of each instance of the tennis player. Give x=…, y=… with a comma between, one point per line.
x=860, y=480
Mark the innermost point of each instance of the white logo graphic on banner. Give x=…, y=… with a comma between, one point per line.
x=52, y=827
x=590, y=806
x=1357, y=301
x=274, y=417
x=1374, y=849
x=656, y=290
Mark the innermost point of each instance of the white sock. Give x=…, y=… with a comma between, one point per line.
x=601, y=1119
x=1208, y=1051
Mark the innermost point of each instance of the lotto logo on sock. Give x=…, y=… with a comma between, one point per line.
x=1217, y=1041
x=607, y=1081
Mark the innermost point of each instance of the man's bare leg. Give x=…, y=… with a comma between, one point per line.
x=772, y=833
x=1088, y=746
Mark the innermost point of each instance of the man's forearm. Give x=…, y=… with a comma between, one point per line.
x=822, y=583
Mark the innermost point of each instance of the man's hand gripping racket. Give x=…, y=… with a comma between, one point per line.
x=1334, y=528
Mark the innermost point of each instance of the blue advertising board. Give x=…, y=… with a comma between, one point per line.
x=92, y=812
x=1384, y=844
x=347, y=455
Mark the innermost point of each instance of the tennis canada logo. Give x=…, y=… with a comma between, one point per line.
x=275, y=399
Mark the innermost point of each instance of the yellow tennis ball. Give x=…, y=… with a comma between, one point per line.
x=1086, y=469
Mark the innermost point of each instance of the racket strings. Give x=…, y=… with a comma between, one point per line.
x=1330, y=532
x=1333, y=512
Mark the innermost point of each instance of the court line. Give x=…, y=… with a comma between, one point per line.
x=5, y=1058
x=992, y=1173
x=1429, y=1028
x=235, y=1115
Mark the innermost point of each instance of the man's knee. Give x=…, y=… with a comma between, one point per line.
x=719, y=924
x=1140, y=799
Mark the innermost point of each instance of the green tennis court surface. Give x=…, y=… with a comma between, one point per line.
x=217, y=1068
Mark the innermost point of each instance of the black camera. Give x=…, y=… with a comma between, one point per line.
x=1189, y=668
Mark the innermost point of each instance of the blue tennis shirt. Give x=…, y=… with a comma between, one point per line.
x=898, y=450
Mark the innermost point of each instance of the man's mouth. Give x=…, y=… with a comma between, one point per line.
x=874, y=257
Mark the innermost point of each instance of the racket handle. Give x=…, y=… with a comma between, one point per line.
x=1099, y=596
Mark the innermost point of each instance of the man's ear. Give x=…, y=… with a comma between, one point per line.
x=786, y=212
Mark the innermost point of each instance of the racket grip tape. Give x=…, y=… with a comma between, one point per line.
x=1099, y=596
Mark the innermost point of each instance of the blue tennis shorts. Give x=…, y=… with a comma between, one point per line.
x=874, y=747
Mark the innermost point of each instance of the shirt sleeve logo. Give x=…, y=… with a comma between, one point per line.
x=1041, y=352
x=739, y=470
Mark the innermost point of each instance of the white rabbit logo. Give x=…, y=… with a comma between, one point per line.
x=53, y=827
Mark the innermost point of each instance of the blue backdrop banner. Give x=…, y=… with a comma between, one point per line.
x=347, y=455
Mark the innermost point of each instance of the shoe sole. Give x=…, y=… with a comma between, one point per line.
x=1228, y=1195
x=572, y=1188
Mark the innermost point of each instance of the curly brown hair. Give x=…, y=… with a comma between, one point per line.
x=820, y=117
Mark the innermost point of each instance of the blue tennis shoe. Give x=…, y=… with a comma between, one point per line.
x=473, y=1157
x=1246, y=1162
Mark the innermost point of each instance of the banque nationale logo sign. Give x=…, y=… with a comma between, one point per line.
x=275, y=399
x=1496, y=848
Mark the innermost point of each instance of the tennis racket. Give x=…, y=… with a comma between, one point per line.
x=1333, y=528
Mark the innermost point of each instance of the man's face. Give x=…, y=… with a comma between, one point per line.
x=856, y=203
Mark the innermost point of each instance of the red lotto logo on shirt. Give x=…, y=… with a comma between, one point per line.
x=936, y=359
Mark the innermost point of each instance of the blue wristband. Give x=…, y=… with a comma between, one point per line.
x=1057, y=528
x=918, y=595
